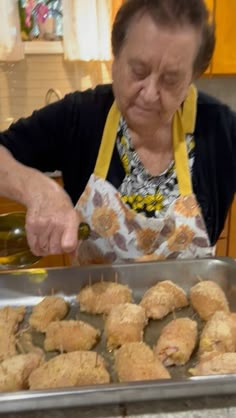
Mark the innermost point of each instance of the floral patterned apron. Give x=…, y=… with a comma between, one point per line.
x=118, y=234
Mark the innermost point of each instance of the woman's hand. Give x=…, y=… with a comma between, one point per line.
x=51, y=220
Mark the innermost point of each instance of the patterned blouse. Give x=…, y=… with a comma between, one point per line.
x=146, y=194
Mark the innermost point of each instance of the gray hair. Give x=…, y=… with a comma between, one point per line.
x=168, y=13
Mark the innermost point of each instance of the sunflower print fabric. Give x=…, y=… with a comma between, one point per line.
x=146, y=194
x=119, y=234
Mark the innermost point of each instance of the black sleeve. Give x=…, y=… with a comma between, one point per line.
x=233, y=136
x=63, y=136
x=39, y=140
x=214, y=170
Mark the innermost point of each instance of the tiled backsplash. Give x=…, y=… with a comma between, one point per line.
x=223, y=87
x=23, y=85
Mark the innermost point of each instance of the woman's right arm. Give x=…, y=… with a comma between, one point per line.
x=27, y=149
x=51, y=220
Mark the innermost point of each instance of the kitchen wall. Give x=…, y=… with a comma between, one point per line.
x=220, y=86
x=23, y=85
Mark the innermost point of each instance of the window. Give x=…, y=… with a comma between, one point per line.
x=41, y=20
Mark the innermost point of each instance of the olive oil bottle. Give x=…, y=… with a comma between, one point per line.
x=14, y=248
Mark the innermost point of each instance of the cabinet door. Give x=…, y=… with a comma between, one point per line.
x=232, y=231
x=114, y=8
x=210, y=6
x=224, y=60
x=221, y=247
x=222, y=243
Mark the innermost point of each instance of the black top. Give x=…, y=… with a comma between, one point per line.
x=66, y=136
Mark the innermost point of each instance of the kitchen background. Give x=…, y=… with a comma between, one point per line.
x=35, y=77
x=24, y=84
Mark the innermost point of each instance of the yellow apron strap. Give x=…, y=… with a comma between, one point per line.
x=183, y=123
x=108, y=142
x=189, y=110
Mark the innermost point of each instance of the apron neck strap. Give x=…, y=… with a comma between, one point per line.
x=108, y=142
x=183, y=123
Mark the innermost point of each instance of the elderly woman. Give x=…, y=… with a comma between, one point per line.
x=148, y=162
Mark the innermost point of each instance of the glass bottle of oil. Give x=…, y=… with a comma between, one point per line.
x=14, y=248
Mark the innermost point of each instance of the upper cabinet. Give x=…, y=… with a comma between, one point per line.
x=224, y=59
x=210, y=6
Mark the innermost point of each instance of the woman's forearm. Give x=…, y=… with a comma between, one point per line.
x=51, y=220
x=20, y=182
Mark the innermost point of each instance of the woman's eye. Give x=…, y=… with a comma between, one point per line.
x=139, y=73
x=170, y=81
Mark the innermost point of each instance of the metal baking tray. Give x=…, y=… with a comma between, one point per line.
x=26, y=287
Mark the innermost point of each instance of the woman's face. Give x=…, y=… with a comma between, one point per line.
x=153, y=71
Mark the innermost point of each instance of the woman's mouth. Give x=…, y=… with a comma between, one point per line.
x=147, y=110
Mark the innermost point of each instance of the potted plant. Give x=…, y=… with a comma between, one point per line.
x=41, y=13
x=47, y=19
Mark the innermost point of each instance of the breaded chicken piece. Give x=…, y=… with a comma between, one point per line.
x=7, y=341
x=124, y=324
x=162, y=299
x=51, y=308
x=136, y=361
x=13, y=316
x=25, y=344
x=207, y=297
x=233, y=319
x=70, y=336
x=218, y=334
x=9, y=321
x=215, y=363
x=176, y=342
x=71, y=369
x=14, y=372
x=102, y=296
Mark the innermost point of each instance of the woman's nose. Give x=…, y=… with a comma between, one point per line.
x=150, y=91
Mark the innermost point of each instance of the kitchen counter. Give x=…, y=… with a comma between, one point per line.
x=211, y=407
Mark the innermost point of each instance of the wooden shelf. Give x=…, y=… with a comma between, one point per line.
x=43, y=47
